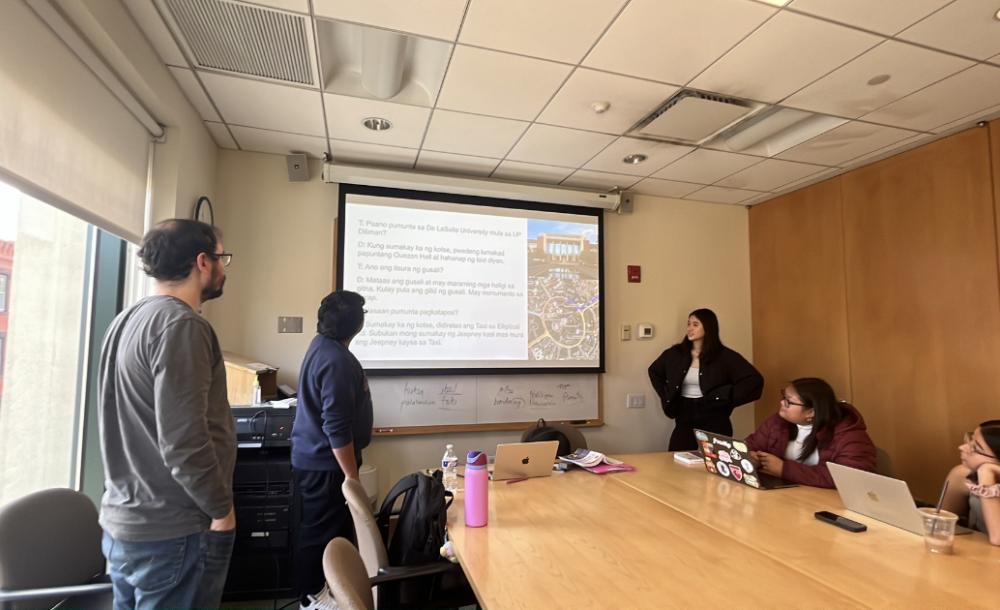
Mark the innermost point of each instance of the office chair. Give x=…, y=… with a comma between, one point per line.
x=439, y=584
x=50, y=553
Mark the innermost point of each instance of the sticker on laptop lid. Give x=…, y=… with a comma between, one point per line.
x=737, y=473
x=736, y=455
x=723, y=468
x=740, y=446
x=747, y=465
x=710, y=466
x=751, y=481
x=701, y=436
x=724, y=456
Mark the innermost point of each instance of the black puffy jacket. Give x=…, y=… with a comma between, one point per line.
x=727, y=381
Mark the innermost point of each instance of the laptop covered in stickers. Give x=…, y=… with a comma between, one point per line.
x=729, y=458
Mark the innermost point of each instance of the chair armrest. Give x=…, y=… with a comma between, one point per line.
x=14, y=595
x=396, y=573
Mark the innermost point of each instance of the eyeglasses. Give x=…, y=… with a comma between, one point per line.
x=971, y=442
x=788, y=402
x=225, y=257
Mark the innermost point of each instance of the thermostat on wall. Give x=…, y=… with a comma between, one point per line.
x=644, y=331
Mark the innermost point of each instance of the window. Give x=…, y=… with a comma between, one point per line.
x=45, y=334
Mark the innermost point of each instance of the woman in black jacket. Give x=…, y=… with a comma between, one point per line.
x=700, y=381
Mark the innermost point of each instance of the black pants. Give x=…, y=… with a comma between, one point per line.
x=324, y=516
x=691, y=416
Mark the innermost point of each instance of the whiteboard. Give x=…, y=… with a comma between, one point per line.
x=401, y=402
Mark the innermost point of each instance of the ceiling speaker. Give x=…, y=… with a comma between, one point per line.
x=298, y=168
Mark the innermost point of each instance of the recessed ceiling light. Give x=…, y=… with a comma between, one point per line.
x=634, y=159
x=377, y=124
x=878, y=79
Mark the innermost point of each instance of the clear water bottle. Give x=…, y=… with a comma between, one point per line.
x=449, y=466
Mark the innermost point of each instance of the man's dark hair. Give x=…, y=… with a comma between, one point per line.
x=341, y=315
x=170, y=248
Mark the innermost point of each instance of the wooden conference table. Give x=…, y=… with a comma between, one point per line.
x=669, y=535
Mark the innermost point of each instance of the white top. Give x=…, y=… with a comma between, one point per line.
x=795, y=447
x=691, y=387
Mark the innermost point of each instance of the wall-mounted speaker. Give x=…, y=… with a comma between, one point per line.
x=298, y=168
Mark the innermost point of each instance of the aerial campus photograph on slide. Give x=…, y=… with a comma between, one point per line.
x=563, y=291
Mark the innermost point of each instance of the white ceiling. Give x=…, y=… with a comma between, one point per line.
x=522, y=75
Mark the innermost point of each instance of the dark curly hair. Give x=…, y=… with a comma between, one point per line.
x=341, y=315
x=170, y=248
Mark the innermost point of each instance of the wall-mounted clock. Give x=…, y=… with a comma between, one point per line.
x=203, y=211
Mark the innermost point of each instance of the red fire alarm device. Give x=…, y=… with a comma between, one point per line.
x=634, y=273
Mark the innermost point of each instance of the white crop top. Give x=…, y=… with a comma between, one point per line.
x=691, y=387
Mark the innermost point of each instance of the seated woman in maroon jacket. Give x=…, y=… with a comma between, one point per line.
x=810, y=429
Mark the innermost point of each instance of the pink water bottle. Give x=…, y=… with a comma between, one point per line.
x=476, y=489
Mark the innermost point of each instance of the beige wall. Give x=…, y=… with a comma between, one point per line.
x=692, y=254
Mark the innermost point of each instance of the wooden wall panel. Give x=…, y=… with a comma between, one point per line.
x=797, y=291
x=922, y=301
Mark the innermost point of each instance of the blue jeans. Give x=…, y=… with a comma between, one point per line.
x=187, y=572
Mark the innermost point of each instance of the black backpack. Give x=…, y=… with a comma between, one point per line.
x=545, y=432
x=419, y=532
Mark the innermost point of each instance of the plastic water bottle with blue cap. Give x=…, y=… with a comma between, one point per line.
x=477, y=488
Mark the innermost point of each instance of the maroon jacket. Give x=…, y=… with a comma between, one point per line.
x=847, y=444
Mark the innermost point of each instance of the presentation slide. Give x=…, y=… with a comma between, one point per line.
x=460, y=286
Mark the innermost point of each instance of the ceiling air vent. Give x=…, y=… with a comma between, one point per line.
x=692, y=117
x=245, y=39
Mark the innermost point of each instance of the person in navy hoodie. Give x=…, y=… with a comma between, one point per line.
x=810, y=429
x=333, y=423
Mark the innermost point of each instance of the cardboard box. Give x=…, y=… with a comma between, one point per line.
x=240, y=374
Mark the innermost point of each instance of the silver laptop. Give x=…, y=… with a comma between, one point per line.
x=524, y=460
x=876, y=496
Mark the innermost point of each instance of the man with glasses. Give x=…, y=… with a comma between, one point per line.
x=167, y=434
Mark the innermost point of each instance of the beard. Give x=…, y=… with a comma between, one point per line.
x=214, y=289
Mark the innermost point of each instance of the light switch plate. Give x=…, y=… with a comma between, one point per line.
x=289, y=324
x=635, y=401
x=626, y=332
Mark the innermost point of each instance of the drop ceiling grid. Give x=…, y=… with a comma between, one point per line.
x=540, y=118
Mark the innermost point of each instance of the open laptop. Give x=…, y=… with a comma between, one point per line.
x=729, y=458
x=876, y=496
x=524, y=460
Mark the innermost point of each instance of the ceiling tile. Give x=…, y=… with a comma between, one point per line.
x=718, y=194
x=794, y=186
x=221, y=135
x=194, y=93
x=968, y=121
x=599, y=181
x=846, y=91
x=530, y=172
x=448, y=163
x=277, y=142
x=363, y=153
x=888, y=151
x=963, y=94
x=658, y=154
x=664, y=188
x=558, y=146
x=434, y=18
x=706, y=166
x=966, y=27
x=784, y=55
x=846, y=142
x=499, y=84
x=562, y=30
x=265, y=105
x=883, y=16
x=344, y=116
x=691, y=33
x=631, y=99
x=769, y=174
x=472, y=134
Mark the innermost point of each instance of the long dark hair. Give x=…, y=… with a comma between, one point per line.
x=991, y=434
x=817, y=395
x=711, y=345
